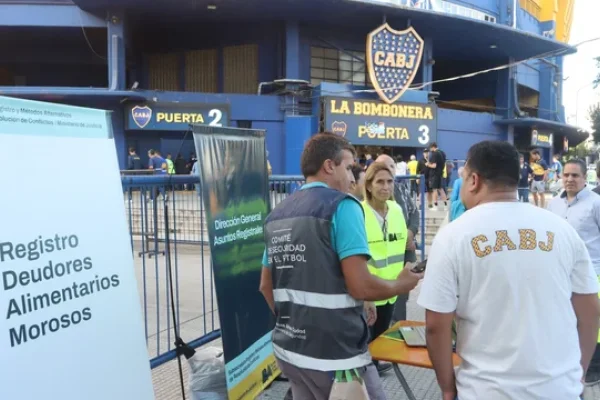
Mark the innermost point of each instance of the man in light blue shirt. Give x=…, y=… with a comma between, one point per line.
x=457, y=208
x=581, y=208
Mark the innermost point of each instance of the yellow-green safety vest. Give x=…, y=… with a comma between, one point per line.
x=387, y=256
x=170, y=167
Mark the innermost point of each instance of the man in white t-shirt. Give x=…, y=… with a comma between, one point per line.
x=401, y=168
x=522, y=286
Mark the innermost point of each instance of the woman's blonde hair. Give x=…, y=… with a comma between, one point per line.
x=373, y=169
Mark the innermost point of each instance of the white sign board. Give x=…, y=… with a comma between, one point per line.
x=70, y=318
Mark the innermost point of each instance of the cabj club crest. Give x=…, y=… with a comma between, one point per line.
x=393, y=59
x=141, y=115
x=339, y=128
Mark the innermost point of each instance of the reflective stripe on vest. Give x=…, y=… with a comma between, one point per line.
x=310, y=299
x=302, y=361
x=387, y=257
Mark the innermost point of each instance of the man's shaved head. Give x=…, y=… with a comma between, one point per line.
x=389, y=162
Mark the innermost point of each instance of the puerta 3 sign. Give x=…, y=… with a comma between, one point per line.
x=373, y=123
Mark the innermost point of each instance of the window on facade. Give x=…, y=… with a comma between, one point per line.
x=533, y=7
x=240, y=69
x=163, y=71
x=332, y=65
x=201, y=71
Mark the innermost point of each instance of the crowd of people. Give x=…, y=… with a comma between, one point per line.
x=520, y=282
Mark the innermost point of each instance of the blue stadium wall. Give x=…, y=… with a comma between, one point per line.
x=286, y=134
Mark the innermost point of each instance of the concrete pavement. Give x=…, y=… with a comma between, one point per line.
x=198, y=311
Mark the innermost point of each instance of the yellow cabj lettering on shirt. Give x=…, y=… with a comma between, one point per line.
x=527, y=241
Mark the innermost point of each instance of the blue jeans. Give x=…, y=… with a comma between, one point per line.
x=523, y=195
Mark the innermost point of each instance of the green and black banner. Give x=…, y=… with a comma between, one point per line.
x=234, y=181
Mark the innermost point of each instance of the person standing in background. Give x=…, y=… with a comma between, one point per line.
x=540, y=176
x=449, y=169
x=368, y=160
x=436, y=165
x=181, y=168
x=401, y=166
x=412, y=170
x=457, y=208
x=133, y=161
x=357, y=185
x=170, y=164
x=525, y=174
x=597, y=188
x=190, y=165
x=423, y=170
x=580, y=207
x=269, y=168
x=555, y=168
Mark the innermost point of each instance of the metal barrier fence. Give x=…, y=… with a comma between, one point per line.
x=149, y=202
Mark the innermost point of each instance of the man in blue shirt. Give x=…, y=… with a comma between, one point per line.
x=315, y=275
x=159, y=165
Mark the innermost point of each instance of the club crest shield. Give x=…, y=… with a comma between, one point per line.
x=393, y=59
x=339, y=128
x=141, y=115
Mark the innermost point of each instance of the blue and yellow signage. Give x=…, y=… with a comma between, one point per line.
x=542, y=139
x=372, y=123
x=175, y=117
x=393, y=59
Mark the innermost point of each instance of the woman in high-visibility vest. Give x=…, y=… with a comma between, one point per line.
x=387, y=235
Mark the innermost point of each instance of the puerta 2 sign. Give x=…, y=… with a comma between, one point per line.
x=175, y=116
x=71, y=325
x=373, y=123
x=234, y=181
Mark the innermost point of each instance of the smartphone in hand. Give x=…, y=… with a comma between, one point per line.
x=420, y=267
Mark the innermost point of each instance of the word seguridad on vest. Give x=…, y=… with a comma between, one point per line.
x=283, y=250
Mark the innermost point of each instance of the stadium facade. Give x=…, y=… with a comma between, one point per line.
x=394, y=74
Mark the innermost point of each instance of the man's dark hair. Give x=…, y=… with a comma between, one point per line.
x=536, y=152
x=399, y=158
x=356, y=171
x=433, y=145
x=152, y=152
x=496, y=162
x=425, y=151
x=321, y=147
x=132, y=149
x=579, y=162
